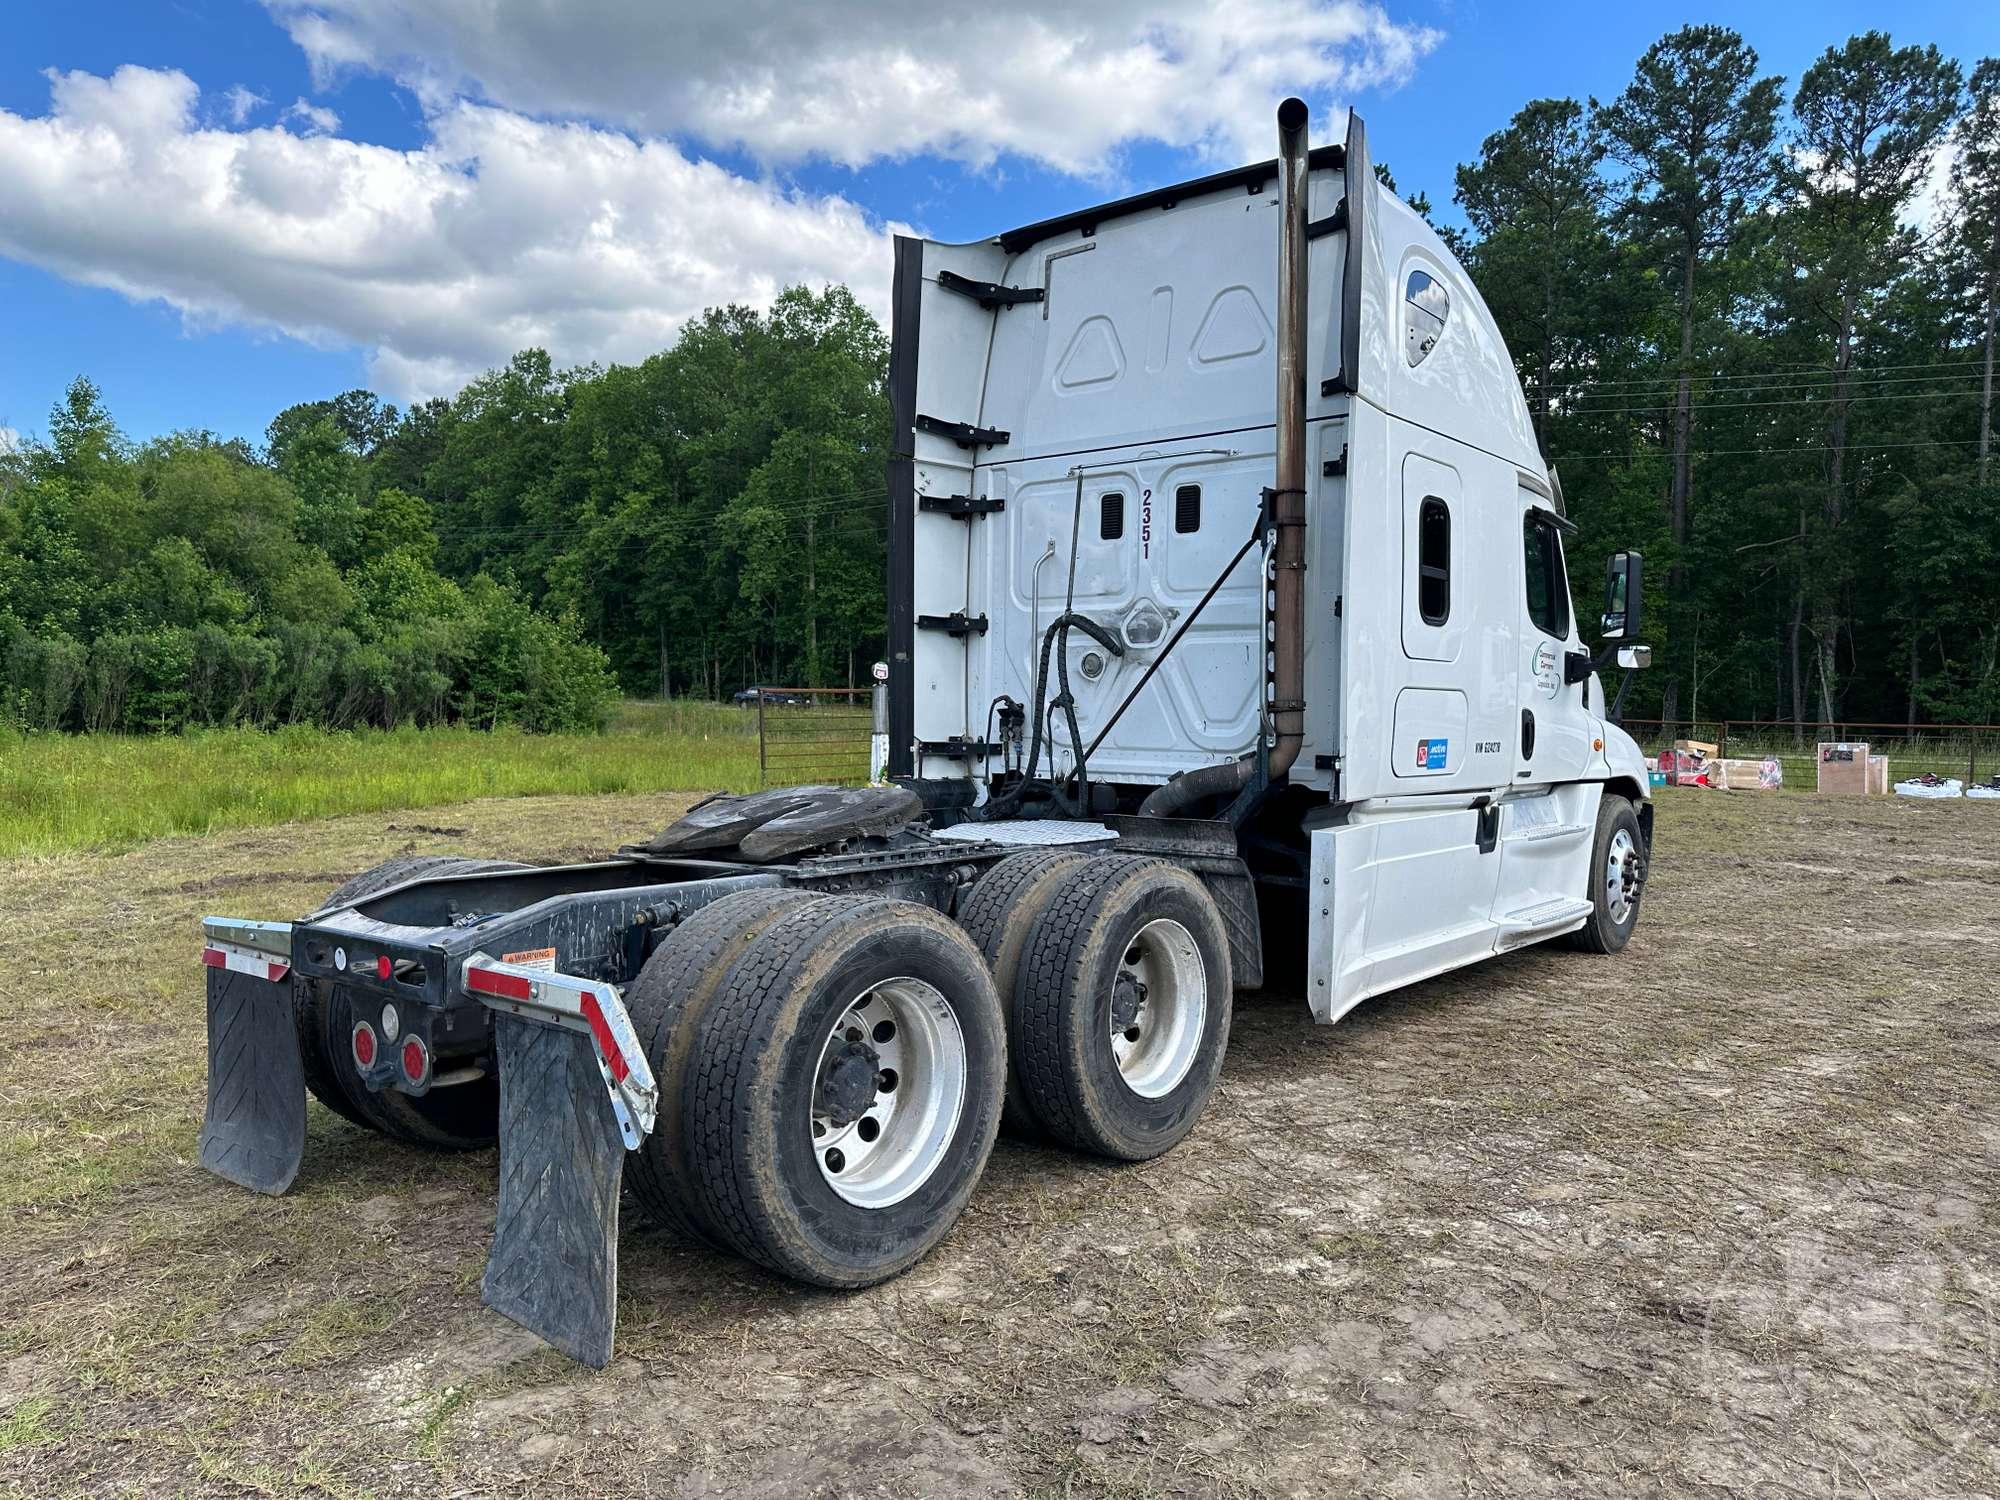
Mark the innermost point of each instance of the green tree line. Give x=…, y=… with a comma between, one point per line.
x=1740, y=352
x=510, y=555
x=1746, y=361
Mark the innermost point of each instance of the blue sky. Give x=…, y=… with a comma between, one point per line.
x=192, y=317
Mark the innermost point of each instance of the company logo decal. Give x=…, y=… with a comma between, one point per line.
x=1431, y=754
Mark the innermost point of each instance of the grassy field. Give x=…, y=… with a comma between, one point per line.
x=109, y=791
x=1716, y=1216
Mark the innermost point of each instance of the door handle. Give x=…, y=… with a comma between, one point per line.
x=1527, y=734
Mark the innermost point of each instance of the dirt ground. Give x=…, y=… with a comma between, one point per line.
x=1715, y=1217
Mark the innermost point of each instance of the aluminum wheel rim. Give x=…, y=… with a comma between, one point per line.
x=1621, y=877
x=1156, y=1046
x=884, y=1151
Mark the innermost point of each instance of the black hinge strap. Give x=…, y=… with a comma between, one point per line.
x=1333, y=468
x=957, y=749
x=962, y=433
x=988, y=294
x=957, y=623
x=1333, y=223
x=965, y=507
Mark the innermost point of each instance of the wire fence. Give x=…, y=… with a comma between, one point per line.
x=813, y=735
x=1970, y=752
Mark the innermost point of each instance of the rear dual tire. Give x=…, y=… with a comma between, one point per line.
x=837, y=1083
x=999, y=915
x=1121, y=1007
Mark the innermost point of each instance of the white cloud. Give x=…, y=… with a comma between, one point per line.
x=241, y=103
x=313, y=119
x=1930, y=206
x=499, y=233
x=1061, y=83
x=10, y=441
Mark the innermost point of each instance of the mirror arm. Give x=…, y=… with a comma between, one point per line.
x=1616, y=713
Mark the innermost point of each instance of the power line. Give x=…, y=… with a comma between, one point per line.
x=1728, y=406
x=1562, y=458
x=1670, y=375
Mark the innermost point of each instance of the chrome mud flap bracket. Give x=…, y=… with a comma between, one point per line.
x=575, y=1095
x=253, y=1132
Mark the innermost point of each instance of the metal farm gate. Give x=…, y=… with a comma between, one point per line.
x=813, y=735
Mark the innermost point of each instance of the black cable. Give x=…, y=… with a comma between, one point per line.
x=1157, y=662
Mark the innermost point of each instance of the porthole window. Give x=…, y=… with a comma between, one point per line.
x=1111, y=516
x=1426, y=305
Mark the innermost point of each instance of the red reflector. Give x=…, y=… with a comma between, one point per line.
x=415, y=1060
x=384, y=967
x=215, y=958
x=278, y=971
x=364, y=1045
x=487, y=982
x=613, y=1058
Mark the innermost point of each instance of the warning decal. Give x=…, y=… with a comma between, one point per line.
x=534, y=958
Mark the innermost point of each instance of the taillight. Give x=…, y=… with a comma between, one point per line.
x=384, y=967
x=363, y=1041
x=416, y=1061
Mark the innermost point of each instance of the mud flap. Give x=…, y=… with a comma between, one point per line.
x=553, y=1267
x=254, y=1131
x=575, y=1095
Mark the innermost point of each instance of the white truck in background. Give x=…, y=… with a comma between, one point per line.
x=1229, y=631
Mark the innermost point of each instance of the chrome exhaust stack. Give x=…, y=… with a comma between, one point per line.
x=1288, y=493
x=1286, y=516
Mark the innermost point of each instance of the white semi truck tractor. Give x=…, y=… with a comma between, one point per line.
x=1230, y=636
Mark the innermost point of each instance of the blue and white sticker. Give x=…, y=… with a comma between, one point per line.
x=1431, y=754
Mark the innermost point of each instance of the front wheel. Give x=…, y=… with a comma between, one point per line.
x=1617, y=878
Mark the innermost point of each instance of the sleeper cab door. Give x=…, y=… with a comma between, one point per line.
x=1404, y=887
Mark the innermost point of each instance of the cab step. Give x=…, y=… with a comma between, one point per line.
x=1530, y=924
x=1540, y=833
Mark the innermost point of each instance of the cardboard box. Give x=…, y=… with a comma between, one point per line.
x=1878, y=775
x=1843, y=767
x=1698, y=747
x=1734, y=775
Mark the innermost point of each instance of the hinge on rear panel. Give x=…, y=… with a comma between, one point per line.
x=1333, y=468
x=988, y=294
x=956, y=623
x=965, y=507
x=962, y=433
x=956, y=748
x=1333, y=223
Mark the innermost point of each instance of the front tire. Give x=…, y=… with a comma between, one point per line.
x=1618, y=859
x=844, y=1090
x=1123, y=1002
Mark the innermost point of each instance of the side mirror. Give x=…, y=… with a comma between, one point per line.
x=1635, y=658
x=1623, y=590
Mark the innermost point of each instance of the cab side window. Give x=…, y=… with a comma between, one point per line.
x=1426, y=305
x=1434, y=561
x=1548, y=589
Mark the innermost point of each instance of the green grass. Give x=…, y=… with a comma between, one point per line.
x=108, y=791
